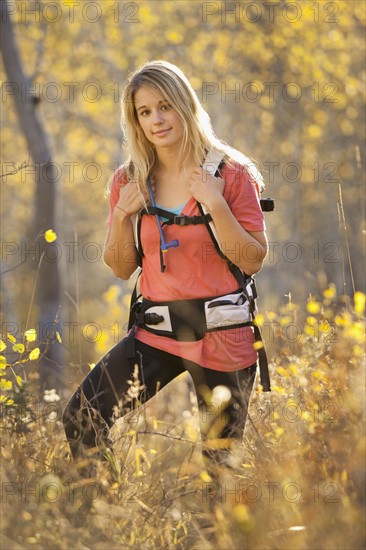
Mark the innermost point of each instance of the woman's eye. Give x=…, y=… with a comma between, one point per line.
x=165, y=107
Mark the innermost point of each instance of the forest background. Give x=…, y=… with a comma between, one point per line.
x=284, y=82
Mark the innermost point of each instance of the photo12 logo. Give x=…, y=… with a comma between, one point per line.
x=71, y=11
x=270, y=12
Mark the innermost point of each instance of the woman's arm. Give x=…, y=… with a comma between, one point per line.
x=245, y=249
x=120, y=252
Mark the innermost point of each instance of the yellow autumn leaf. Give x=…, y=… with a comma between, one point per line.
x=30, y=335
x=314, y=131
x=11, y=338
x=19, y=381
x=50, y=236
x=2, y=345
x=58, y=336
x=34, y=354
x=173, y=37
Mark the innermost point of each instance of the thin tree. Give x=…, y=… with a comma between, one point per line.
x=48, y=291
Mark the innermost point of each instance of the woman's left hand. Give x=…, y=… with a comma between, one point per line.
x=205, y=188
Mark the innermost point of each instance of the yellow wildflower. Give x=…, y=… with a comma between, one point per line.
x=50, y=236
x=330, y=292
x=258, y=345
x=359, y=299
x=259, y=320
x=313, y=306
x=271, y=315
x=278, y=389
x=30, y=335
x=34, y=354
x=19, y=348
x=5, y=384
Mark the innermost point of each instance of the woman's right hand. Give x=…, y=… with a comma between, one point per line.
x=131, y=199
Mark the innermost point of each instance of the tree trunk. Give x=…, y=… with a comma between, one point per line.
x=48, y=285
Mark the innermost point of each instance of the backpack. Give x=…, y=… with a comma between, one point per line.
x=192, y=315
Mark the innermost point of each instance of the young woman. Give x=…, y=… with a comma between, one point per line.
x=188, y=192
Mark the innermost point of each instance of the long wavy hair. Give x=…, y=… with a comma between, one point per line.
x=198, y=135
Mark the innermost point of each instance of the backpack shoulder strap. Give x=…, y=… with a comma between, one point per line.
x=211, y=165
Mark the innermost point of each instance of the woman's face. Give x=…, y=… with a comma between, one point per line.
x=160, y=123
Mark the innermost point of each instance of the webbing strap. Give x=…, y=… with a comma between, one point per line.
x=213, y=166
x=133, y=303
x=157, y=210
x=263, y=361
x=177, y=219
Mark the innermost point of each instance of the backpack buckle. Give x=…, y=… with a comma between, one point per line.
x=153, y=318
x=179, y=220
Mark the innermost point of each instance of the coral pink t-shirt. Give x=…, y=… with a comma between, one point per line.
x=195, y=270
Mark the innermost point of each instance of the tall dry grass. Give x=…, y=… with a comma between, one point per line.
x=299, y=483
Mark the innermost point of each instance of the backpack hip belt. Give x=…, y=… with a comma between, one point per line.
x=190, y=320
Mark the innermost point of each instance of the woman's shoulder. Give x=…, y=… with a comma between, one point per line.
x=242, y=172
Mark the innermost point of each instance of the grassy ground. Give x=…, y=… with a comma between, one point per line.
x=299, y=483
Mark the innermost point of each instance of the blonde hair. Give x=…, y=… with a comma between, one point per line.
x=198, y=134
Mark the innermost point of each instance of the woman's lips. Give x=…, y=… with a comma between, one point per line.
x=162, y=132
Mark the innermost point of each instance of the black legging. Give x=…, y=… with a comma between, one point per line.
x=89, y=413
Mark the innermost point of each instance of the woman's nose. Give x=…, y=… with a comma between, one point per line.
x=157, y=117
